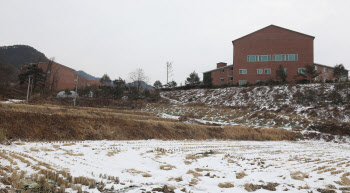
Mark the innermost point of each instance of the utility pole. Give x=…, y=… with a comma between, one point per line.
x=169, y=70
x=31, y=88
x=28, y=89
x=76, y=90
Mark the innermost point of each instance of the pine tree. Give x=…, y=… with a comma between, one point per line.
x=339, y=72
x=105, y=80
x=193, y=79
x=157, y=85
x=281, y=74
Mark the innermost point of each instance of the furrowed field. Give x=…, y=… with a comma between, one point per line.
x=176, y=166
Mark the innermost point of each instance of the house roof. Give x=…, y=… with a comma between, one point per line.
x=272, y=26
x=218, y=68
x=325, y=66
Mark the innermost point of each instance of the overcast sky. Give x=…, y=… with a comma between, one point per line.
x=118, y=36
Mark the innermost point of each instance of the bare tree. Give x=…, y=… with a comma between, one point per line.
x=169, y=71
x=52, y=75
x=138, y=77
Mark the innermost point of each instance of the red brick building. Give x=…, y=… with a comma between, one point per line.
x=60, y=77
x=257, y=56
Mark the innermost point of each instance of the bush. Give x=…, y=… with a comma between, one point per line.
x=335, y=97
x=332, y=128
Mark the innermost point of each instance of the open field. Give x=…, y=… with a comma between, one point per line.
x=181, y=166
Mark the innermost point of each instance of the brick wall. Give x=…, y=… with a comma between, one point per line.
x=61, y=77
x=269, y=41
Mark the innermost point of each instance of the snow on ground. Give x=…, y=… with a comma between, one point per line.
x=197, y=166
x=317, y=99
x=12, y=101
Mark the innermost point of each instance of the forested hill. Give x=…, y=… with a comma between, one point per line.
x=16, y=56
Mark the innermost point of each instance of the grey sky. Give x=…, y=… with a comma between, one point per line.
x=118, y=36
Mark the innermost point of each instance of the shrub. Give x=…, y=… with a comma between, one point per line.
x=332, y=128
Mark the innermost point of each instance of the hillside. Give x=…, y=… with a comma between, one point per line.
x=18, y=55
x=321, y=100
x=144, y=85
x=317, y=110
x=86, y=75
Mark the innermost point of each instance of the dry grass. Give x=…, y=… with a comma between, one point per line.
x=345, y=181
x=34, y=149
x=203, y=169
x=68, y=144
x=178, y=179
x=56, y=146
x=194, y=181
x=167, y=167
x=146, y=175
x=40, y=122
x=298, y=175
x=112, y=153
x=240, y=175
x=226, y=185
x=194, y=173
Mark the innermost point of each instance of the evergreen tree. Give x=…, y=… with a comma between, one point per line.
x=171, y=84
x=309, y=73
x=105, y=80
x=281, y=74
x=193, y=79
x=157, y=85
x=207, y=79
x=340, y=72
x=37, y=76
x=119, y=82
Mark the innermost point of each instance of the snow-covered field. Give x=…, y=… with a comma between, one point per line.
x=192, y=166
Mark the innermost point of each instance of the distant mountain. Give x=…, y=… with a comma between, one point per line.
x=14, y=57
x=19, y=55
x=86, y=75
x=144, y=85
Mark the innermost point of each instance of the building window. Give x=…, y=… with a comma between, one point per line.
x=251, y=58
x=324, y=69
x=230, y=78
x=267, y=71
x=285, y=70
x=264, y=58
x=259, y=71
x=301, y=70
x=342, y=78
x=316, y=78
x=258, y=58
x=285, y=57
x=222, y=79
x=277, y=57
x=231, y=68
x=292, y=57
x=242, y=82
x=87, y=84
x=315, y=67
x=242, y=71
x=82, y=84
x=222, y=70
